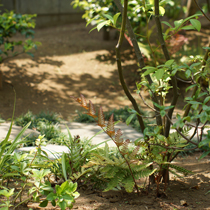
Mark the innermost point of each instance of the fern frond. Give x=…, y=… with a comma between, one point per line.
x=91, y=111
x=144, y=173
x=124, y=147
x=137, y=168
x=173, y=172
x=180, y=169
x=118, y=141
x=135, y=151
x=120, y=161
x=110, y=126
x=101, y=121
x=77, y=175
x=117, y=179
x=109, y=171
x=83, y=102
x=128, y=184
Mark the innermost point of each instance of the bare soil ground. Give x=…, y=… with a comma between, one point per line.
x=72, y=61
x=69, y=62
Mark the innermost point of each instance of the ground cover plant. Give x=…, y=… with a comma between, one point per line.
x=29, y=173
x=161, y=145
x=46, y=123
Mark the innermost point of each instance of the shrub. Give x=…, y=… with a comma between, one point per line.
x=161, y=144
x=10, y=25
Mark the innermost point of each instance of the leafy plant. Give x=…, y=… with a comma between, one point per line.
x=35, y=167
x=10, y=25
x=46, y=123
x=129, y=160
x=64, y=195
x=161, y=144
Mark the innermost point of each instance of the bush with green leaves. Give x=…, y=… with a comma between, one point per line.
x=10, y=25
x=99, y=12
x=171, y=131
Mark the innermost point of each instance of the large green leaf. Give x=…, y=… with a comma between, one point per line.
x=196, y=24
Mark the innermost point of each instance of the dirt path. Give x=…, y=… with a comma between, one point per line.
x=69, y=62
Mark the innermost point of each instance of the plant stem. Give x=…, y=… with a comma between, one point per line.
x=202, y=10
x=167, y=57
x=121, y=77
x=140, y=59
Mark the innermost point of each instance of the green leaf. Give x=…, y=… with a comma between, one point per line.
x=62, y=204
x=162, y=113
x=161, y=138
x=189, y=27
x=204, y=117
x=204, y=154
x=191, y=86
x=149, y=70
x=93, y=29
x=196, y=24
x=53, y=202
x=52, y=196
x=168, y=24
x=109, y=17
x=43, y=203
x=63, y=163
x=206, y=48
x=168, y=107
x=207, y=99
x=31, y=54
x=145, y=48
x=102, y=24
x=4, y=208
x=116, y=17
x=169, y=62
x=187, y=73
x=130, y=118
x=161, y=10
x=204, y=142
x=159, y=74
x=178, y=23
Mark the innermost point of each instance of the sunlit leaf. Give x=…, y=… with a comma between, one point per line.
x=116, y=17
x=102, y=24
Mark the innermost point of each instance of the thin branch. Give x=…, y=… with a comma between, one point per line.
x=119, y=65
x=139, y=56
x=201, y=10
x=181, y=134
x=167, y=57
x=125, y=88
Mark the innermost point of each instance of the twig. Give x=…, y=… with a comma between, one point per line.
x=139, y=56
x=201, y=10
x=119, y=65
x=125, y=88
x=167, y=57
